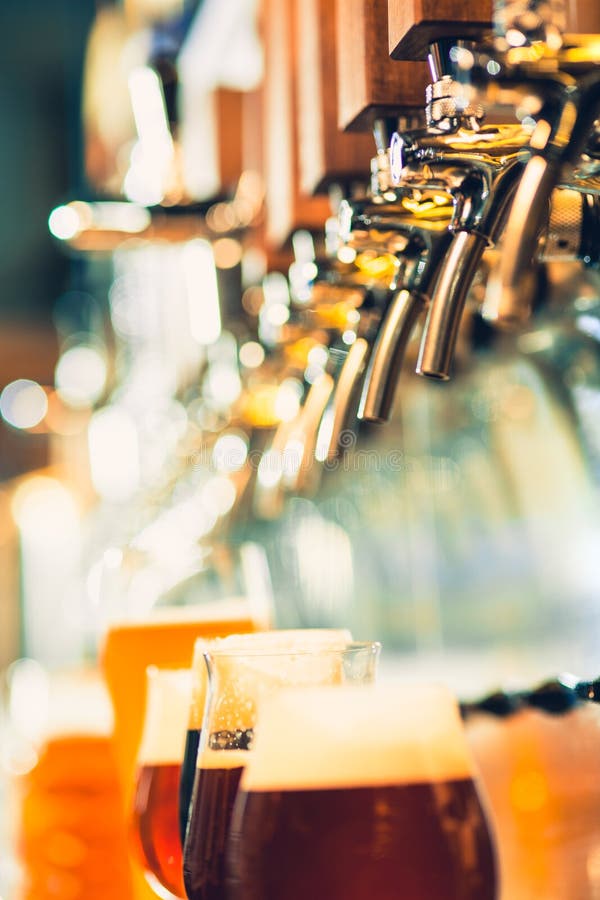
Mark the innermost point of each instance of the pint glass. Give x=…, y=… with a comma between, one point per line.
x=165, y=638
x=354, y=793
x=238, y=680
x=155, y=813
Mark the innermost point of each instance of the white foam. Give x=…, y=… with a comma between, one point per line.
x=223, y=759
x=357, y=737
x=282, y=641
x=286, y=640
x=167, y=713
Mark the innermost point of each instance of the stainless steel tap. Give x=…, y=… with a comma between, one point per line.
x=503, y=188
x=413, y=225
x=480, y=169
x=560, y=81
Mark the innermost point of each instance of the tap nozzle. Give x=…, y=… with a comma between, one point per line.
x=388, y=352
x=336, y=434
x=447, y=304
x=557, y=142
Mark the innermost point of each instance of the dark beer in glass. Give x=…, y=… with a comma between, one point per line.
x=155, y=805
x=238, y=681
x=354, y=793
x=266, y=639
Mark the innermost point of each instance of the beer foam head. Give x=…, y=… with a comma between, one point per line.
x=342, y=737
x=167, y=713
x=286, y=640
x=223, y=759
x=282, y=641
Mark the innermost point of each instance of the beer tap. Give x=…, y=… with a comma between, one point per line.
x=406, y=232
x=480, y=167
x=346, y=297
x=414, y=227
x=468, y=171
x=563, y=80
x=410, y=220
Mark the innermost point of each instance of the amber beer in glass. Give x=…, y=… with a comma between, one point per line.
x=282, y=639
x=238, y=680
x=164, y=637
x=155, y=809
x=69, y=823
x=362, y=792
x=541, y=772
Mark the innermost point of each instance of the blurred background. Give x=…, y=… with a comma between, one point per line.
x=458, y=529
x=42, y=158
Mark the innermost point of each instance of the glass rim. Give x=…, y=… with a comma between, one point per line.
x=352, y=647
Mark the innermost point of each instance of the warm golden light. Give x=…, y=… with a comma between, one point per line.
x=202, y=291
x=152, y=157
x=252, y=355
x=63, y=223
x=227, y=253
x=230, y=452
x=114, y=453
x=80, y=376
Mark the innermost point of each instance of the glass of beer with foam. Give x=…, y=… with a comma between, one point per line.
x=155, y=813
x=282, y=639
x=238, y=680
x=361, y=792
x=164, y=637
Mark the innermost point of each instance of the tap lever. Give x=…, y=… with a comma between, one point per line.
x=388, y=352
x=447, y=304
x=558, y=141
x=344, y=403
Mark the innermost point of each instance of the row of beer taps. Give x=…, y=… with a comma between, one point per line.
x=443, y=195
x=508, y=160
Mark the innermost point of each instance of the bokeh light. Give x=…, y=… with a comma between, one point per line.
x=80, y=376
x=23, y=403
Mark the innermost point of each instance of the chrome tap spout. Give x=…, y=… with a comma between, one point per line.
x=417, y=231
x=481, y=171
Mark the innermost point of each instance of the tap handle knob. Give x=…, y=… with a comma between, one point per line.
x=388, y=352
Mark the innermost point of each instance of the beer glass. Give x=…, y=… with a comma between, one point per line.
x=237, y=682
x=362, y=792
x=282, y=640
x=70, y=829
x=155, y=813
x=164, y=637
x=541, y=772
